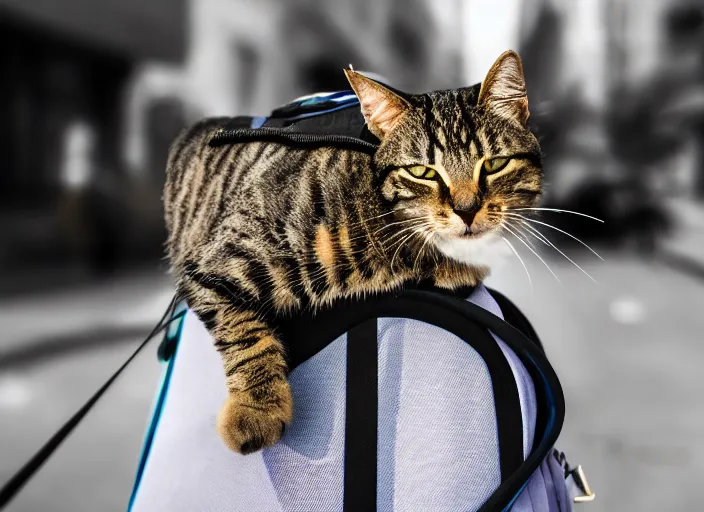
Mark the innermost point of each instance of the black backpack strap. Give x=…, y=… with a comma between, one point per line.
x=429, y=307
x=515, y=317
x=472, y=324
x=361, y=418
x=19, y=479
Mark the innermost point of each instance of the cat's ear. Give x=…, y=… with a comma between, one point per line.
x=382, y=108
x=503, y=91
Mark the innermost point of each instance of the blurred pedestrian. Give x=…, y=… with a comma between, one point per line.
x=75, y=176
x=88, y=207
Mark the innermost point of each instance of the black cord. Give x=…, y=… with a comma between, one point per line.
x=18, y=481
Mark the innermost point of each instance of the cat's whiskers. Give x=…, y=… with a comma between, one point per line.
x=372, y=235
x=508, y=228
x=402, y=241
x=528, y=219
x=398, y=248
x=530, y=281
x=558, y=250
x=537, y=234
x=558, y=210
x=382, y=215
x=417, y=226
x=532, y=230
x=420, y=227
x=377, y=216
x=365, y=221
x=526, y=234
x=397, y=223
x=428, y=238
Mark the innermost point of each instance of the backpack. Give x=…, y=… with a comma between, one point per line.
x=365, y=374
x=521, y=405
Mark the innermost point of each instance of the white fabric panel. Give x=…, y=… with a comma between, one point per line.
x=437, y=429
x=306, y=465
x=189, y=468
x=526, y=389
x=439, y=440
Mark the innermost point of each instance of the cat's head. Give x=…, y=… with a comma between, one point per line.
x=454, y=163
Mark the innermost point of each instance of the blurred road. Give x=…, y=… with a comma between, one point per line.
x=55, y=351
x=627, y=351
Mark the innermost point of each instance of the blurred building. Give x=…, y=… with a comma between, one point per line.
x=683, y=63
x=66, y=66
x=68, y=62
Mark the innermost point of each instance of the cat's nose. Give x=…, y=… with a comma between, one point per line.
x=467, y=216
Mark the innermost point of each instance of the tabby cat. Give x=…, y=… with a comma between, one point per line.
x=260, y=229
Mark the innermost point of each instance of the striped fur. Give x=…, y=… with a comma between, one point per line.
x=259, y=229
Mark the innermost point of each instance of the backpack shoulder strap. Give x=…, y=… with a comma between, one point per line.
x=515, y=317
x=470, y=323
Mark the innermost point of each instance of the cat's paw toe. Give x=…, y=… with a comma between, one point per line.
x=246, y=427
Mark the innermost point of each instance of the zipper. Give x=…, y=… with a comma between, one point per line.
x=284, y=136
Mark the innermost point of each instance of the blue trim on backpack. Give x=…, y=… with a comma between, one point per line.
x=315, y=105
x=344, y=97
x=319, y=112
x=173, y=335
x=258, y=121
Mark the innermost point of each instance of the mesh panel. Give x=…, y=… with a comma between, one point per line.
x=437, y=429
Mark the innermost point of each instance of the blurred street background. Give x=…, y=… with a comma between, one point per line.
x=93, y=92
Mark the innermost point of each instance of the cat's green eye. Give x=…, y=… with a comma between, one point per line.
x=495, y=164
x=417, y=170
x=421, y=171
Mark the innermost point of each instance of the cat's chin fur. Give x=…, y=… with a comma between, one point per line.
x=486, y=251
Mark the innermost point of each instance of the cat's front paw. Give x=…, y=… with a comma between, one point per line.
x=248, y=422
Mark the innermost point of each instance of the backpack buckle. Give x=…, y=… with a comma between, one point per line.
x=580, y=480
x=575, y=480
